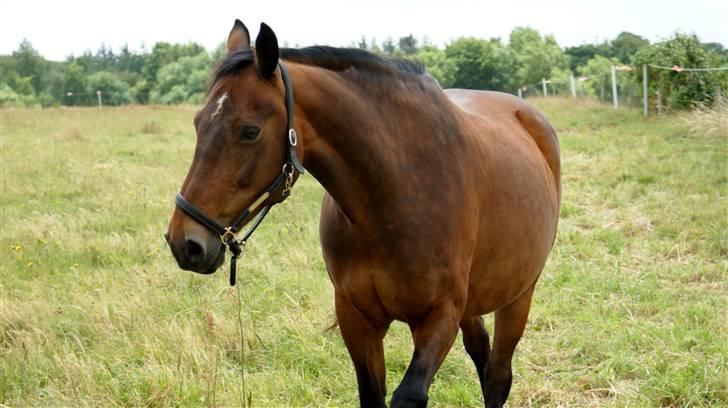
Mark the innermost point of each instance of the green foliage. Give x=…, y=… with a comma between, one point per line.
x=179, y=73
x=438, y=65
x=535, y=56
x=598, y=73
x=481, y=64
x=30, y=64
x=114, y=91
x=408, y=45
x=163, y=54
x=681, y=90
x=10, y=98
x=623, y=47
x=75, y=85
x=580, y=54
x=598, y=84
x=184, y=80
x=626, y=45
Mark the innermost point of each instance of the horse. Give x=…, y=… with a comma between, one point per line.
x=440, y=206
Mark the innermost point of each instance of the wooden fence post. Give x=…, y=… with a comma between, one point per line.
x=645, y=97
x=573, y=86
x=615, y=99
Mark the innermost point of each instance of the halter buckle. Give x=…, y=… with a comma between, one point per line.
x=288, y=169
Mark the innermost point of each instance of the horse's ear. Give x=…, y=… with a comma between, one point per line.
x=239, y=38
x=266, y=51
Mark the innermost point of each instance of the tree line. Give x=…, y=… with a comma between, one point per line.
x=179, y=73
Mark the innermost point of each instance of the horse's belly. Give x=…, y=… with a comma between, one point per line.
x=516, y=234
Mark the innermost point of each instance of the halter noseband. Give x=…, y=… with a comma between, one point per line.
x=284, y=182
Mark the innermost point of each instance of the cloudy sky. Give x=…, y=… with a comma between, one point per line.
x=60, y=28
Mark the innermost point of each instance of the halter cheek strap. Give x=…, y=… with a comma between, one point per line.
x=261, y=204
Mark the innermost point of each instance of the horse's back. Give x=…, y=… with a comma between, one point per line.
x=489, y=106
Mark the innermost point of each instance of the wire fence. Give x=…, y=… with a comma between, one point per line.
x=620, y=87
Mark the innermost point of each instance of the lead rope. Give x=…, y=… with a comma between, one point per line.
x=244, y=402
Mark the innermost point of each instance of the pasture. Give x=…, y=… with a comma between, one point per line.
x=630, y=310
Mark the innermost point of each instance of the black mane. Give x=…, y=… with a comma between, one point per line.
x=335, y=59
x=339, y=59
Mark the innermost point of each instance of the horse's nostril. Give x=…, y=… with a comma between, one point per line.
x=193, y=251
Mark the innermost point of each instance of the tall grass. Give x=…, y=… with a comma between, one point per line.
x=630, y=310
x=709, y=120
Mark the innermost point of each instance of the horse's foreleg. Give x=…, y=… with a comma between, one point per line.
x=363, y=338
x=433, y=337
x=510, y=321
x=477, y=344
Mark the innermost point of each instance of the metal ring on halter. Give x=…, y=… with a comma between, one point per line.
x=288, y=169
x=227, y=236
x=292, y=137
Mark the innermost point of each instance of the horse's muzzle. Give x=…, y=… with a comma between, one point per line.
x=197, y=255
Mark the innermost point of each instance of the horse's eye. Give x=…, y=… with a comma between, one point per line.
x=249, y=133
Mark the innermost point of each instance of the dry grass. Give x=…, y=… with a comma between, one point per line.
x=709, y=120
x=630, y=310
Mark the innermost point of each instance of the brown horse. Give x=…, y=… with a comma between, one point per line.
x=441, y=206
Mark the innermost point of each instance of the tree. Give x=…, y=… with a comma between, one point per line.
x=626, y=45
x=182, y=81
x=598, y=73
x=535, y=56
x=408, y=45
x=388, y=46
x=163, y=54
x=114, y=91
x=29, y=63
x=75, y=85
x=438, y=65
x=717, y=48
x=362, y=43
x=481, y=64
x=580, y=54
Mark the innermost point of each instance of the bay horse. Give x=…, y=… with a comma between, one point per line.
x=440, y=206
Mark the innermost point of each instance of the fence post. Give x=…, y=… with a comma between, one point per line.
x=615, y=99
x=645, y=102
x=659, y=103
x=573, y=86
x=98, y=95
x=520, y=93
x=718, y=97
x=545, y=91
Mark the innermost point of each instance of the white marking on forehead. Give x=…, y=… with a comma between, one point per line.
x=220, y=101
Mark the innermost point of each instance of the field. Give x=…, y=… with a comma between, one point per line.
x=630, y=310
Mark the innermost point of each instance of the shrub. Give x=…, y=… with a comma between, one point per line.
x=681, y=90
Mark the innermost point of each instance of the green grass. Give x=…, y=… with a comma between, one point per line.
x=630, y=310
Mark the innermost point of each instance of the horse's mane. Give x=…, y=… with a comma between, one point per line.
x=339, y=59
x=331, y=58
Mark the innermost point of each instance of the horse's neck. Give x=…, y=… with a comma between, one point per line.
x=360, y=142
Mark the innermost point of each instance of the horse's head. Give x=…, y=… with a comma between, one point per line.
x=241, y=148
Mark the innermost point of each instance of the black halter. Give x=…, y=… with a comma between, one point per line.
x=283, y=182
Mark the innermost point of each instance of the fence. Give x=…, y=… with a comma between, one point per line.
x=624, y=91
x=677, y=69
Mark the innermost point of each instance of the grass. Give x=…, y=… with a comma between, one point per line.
x=630, y=310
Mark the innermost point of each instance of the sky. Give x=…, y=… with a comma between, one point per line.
x=61, y=28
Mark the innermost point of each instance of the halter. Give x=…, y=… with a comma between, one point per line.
x=284, y=182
